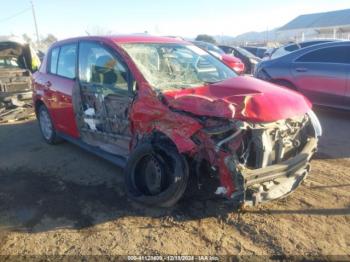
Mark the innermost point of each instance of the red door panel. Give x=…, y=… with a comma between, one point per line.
x=62, y=106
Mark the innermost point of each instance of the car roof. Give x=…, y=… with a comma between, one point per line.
x=326, y=44
x=310, y=41
x=124, y=39
x=14, y=39
x=311, y=48
x=256, y=47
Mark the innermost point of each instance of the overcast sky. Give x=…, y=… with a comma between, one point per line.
x=66, y=18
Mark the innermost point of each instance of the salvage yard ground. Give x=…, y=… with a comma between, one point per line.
x=63, y=200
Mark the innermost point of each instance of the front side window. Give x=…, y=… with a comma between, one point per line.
x=54, y=60
x=67, y=61
x=171, y=66
x=337, y=54
x=99, y=66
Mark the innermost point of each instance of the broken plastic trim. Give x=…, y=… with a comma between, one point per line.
x=227, y=139
x=316, y=123
x=279, y=180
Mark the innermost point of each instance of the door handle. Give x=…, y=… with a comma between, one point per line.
x=301, y=69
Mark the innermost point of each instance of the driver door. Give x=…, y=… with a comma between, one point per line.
x=105, y=98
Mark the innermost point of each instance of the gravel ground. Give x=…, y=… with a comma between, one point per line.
x=58, y=200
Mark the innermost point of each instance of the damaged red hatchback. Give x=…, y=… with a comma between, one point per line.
x=161, y=107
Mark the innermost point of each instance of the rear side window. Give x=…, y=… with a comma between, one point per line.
x=97, y=65
x=67, y=61
x=338, y=54
x=54, y=60
x=291, y=48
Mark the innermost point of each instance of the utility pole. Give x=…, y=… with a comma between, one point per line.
x=35, y=23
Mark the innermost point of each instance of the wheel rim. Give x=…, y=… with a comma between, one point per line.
x=45, y=124
x=151, y=177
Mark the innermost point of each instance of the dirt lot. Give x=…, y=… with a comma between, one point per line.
x=62, y=200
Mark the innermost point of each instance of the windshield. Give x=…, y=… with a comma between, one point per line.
x=280, y=52
x=169, y=66
x=245, y=52
x=8, y=62
x=216, y=49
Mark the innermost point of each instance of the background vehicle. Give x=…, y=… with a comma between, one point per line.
x=321, y=72
x=257, y=51
x=231, y=61
x=155, y=105
x=17, y=62
x=281, y=51
x=249, y=60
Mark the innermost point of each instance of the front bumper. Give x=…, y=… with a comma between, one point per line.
x=277, y=181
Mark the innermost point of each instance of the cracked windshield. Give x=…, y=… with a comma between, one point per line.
x=171, y=66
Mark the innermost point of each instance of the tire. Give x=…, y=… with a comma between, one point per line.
x=156, y=175
x=46, y=126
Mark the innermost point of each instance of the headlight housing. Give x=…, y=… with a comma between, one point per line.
x=315, y=123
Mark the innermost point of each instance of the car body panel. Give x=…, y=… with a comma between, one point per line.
x=249, y=60
x=257, y=51
x=323, y=83
x=326, y=87
x=234, y=63
x=243, y=98
x=61, y=104
x=347, y=95
x=284, y=50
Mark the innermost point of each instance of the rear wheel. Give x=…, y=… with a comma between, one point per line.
x=156, y=175
x=46, y=126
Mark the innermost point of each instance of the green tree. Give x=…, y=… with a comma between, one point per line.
x=206, y=38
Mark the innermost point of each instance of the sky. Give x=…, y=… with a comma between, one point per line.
x=187, y=18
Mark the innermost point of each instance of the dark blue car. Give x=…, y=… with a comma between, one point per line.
x=321, y=72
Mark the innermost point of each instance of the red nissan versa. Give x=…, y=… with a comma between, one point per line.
x=160, y=107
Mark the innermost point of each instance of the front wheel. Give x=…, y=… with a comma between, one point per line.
x=156, y=175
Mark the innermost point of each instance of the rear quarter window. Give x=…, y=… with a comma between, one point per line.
x=338, y=54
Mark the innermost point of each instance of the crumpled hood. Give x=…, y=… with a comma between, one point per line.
x=243, y=98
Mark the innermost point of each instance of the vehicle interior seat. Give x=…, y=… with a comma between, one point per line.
x=103, y=71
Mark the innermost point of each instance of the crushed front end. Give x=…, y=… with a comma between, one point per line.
x=258, y=162
x=17, y=62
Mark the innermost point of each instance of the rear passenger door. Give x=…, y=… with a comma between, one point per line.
x=61, y=80
x=322, y=74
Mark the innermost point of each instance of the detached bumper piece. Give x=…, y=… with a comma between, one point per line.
x=277, y=181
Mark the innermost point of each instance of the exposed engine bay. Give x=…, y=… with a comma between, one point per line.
x=17, y=61
x=266, y=161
